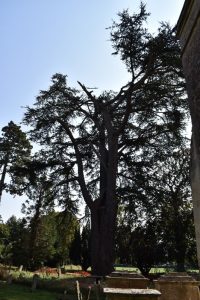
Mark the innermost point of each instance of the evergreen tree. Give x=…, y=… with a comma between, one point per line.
x=75, y=249
x=90, y=139
x=158, y=208
x=68, y=233
x=15, y=149
x=86, y=247
x=17, y=241
x=4, y=242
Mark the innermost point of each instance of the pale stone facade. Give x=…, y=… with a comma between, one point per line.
x=188, y=31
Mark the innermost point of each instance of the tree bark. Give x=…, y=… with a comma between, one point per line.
x=104, y=215
x=102, y=240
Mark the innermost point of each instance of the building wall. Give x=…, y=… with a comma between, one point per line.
x=188, y=31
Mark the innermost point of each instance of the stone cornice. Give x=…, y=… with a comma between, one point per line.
x=189, y=17
x=184, y=16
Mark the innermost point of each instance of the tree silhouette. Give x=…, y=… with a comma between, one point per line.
x=91, y=138
x=15, y=149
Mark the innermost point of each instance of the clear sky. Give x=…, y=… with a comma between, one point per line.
x=42, y=37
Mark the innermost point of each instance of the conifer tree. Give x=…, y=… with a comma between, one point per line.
x=91, y=138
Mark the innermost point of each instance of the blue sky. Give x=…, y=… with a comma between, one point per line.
x=42, y=37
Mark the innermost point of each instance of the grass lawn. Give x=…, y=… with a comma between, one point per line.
x=18, y=292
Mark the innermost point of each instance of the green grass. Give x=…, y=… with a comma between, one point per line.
x=18, y=292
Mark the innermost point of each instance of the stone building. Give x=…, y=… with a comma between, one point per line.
x=188, y=31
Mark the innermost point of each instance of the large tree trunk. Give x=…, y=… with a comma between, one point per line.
x=104, y=214
x=103, y=222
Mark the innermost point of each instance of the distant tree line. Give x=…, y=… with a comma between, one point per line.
x=58, y=241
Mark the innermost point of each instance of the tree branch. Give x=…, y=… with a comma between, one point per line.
x=81, y=178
